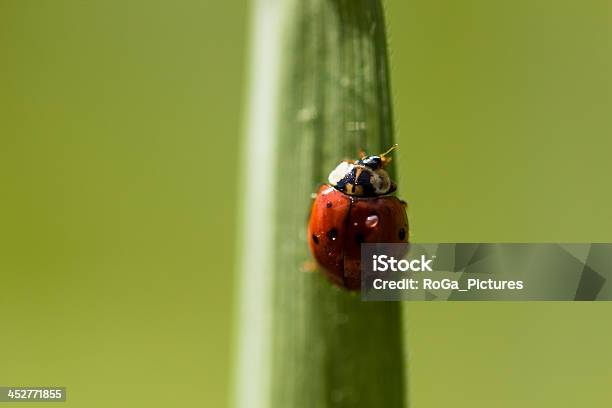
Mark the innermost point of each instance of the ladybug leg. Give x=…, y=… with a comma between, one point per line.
x=309, y=266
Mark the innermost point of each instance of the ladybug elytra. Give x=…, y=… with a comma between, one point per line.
x=355, y=208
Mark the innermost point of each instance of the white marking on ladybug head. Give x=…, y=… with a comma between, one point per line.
x=339, y=172
x=380, y=181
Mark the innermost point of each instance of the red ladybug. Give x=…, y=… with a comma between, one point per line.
x=355, y=208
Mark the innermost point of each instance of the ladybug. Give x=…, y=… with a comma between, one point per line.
x=356, y=207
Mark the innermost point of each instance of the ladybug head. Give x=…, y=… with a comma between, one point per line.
x=365, y=177
x=376, y=162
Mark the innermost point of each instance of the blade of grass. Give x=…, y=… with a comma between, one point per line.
x=319, y=93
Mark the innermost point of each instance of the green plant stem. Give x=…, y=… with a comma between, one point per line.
x=319, y=93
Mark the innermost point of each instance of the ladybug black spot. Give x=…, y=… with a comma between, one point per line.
x=402, y=234
x=315, y=239
x=329, y=204
x=332, y=234
x=359, y=239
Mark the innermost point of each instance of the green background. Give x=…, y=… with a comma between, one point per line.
x=120, y=127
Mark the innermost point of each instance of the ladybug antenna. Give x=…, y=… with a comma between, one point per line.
x=392, y=148
x=386, y=160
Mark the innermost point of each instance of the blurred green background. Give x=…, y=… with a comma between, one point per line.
x=120, y=125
